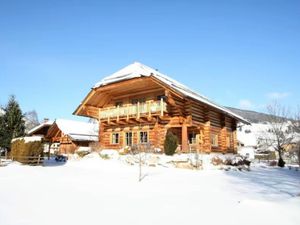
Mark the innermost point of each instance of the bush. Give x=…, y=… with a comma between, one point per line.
x=81, y=154
x=171, y=144
x=273, y=163
x=26, y=153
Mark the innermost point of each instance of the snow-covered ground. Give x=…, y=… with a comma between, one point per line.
x=97, y=191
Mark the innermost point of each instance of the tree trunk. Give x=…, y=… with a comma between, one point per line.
x=281, y=162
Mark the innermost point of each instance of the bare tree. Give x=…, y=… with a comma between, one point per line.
x=296, y=126
x=280, y=133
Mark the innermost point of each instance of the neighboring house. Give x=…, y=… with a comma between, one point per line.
x=138, y=104
x=71, y=135
x=41, y=130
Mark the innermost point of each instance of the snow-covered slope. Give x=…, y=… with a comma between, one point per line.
x=95, y=191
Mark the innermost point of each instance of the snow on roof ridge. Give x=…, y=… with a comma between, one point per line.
x=138, y=69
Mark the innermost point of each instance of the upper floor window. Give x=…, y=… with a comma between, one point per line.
x=136, y=100
x=159, y=97
x=119, y=104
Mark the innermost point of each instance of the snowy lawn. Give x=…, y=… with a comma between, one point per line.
x=97, y=191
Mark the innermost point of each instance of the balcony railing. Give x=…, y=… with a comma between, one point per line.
x=146, y=109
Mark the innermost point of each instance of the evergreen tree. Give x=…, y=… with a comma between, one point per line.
x=12, y=124
x=171, y=143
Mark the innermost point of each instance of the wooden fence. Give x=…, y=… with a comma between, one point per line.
x=28, y=160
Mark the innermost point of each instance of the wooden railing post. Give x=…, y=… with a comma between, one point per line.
x=118, y=113
x=138, y=110
x=127, y=112
x=149, y=109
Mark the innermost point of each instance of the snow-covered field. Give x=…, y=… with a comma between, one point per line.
x=98, y=191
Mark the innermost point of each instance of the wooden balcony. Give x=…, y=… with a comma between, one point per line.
x=146, y=109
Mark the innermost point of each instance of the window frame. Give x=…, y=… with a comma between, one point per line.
x=127, y=138
x=114, y=141
x=214, y=140
x=141, y=139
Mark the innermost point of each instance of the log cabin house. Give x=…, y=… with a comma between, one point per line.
x=70, y=135
x=138, y=104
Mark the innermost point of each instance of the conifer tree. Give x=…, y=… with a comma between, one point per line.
x=12, y=124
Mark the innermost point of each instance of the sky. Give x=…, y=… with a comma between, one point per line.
x=243, y=54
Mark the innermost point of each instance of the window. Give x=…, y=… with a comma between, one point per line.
x=119, y=104
x=128, y=138
x=192, y=138
x=228, y=140
x=115, y=138
x=136, y=100
x=159, y=97
x=143, y=137
x=214, y=140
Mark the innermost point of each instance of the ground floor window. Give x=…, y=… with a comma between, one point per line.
x=128, y=138
x=143, y=137
x=214, y=140
x=192, y=138
x=228, y=141
x=115, y=138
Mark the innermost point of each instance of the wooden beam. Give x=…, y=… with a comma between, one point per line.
x=184, y=138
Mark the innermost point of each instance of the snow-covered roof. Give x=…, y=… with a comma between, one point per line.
x=78, y=131
x=137, y=69
x=42, y=125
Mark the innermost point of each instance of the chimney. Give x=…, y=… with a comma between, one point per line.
x=46, y=120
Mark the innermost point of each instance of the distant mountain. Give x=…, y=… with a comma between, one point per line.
x=251, y=116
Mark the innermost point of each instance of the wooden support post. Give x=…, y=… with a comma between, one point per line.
x=161, y=107
x=49, y=149
x=234, y=136
x=223, y=135
x=206, y=139
x=184, y=138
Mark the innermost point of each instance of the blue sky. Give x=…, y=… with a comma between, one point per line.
x=238, y=53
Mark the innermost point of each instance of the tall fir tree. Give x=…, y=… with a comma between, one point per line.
x=12, y=124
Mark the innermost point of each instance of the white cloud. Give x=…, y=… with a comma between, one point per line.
x=246, y=104
x=278, y=95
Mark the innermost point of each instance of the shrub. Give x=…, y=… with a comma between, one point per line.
x=26, y=153
x=171, y=143
x=104, y=156
x=81, y=154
